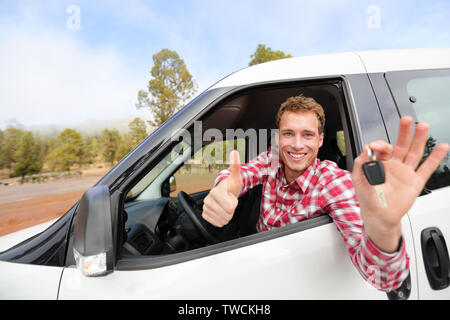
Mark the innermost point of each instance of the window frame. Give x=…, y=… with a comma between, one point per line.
x=353, y=137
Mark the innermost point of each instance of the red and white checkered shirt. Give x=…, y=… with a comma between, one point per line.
x=323, y=188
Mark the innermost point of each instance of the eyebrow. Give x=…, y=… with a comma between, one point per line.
x=303, y=131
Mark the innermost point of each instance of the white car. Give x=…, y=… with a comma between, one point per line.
x=138, y=233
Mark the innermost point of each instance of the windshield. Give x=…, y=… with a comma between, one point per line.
x=161, y=171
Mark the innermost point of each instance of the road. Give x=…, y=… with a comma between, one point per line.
x=23, y=206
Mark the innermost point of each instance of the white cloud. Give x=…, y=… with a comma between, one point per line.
x=50, y=76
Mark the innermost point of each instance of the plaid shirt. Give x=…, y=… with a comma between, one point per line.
x=323, y=188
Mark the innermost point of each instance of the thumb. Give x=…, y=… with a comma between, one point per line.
x=235, y=178
x=358, y=176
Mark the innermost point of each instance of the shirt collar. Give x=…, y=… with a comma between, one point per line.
x=304, y=180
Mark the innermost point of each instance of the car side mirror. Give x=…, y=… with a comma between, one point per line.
x=93, y=241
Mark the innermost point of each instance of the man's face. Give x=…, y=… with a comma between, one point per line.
x=298, y=142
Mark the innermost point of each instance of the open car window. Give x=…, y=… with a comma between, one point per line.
x=161, y=222
x=200, y=171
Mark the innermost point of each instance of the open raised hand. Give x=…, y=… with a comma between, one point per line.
x=404, y=182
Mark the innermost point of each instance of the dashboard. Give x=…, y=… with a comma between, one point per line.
x=157, y=227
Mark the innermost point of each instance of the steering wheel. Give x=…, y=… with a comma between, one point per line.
x=195, y=214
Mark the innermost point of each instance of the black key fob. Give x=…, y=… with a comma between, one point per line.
x=374, y=172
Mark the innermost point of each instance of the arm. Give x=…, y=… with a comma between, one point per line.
x=385, y=271
x=381, y=242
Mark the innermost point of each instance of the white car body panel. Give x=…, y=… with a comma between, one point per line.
x=27, y=281
x=399, y=60
x=311, y=264
x=430, y=210
x=337, y=64
x=10, y=240
x=295, y=68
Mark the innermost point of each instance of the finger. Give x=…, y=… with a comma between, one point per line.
x=227, y=201
x=432, y=162
x=214, y=209
x=362, y=158
x=357, y=173
x=207, y=216
x=404, y=138
x=235, y=179
x=382, y=149
x=214, y=214
x=418, y=145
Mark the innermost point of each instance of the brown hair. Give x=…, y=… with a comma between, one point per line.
x=301, y=104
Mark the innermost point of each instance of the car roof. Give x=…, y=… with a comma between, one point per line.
x=337, y=64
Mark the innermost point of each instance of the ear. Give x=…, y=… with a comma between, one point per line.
x=321, y=139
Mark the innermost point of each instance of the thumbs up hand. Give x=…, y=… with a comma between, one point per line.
x=234, y=181
x=219, y=205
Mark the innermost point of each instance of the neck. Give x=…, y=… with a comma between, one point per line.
x=291, y=175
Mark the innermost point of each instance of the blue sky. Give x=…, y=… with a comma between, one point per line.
x=51, y=73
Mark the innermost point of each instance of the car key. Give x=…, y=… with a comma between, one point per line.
x=374, y=172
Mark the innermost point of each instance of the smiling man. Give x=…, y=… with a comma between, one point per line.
x=296, y=186
x=300, y=121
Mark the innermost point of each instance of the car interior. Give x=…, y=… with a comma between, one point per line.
x=159, y=221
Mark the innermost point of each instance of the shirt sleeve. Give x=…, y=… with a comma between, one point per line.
x=253, y=173
x=385, y=271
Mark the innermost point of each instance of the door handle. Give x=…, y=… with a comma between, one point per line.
x=435, y=258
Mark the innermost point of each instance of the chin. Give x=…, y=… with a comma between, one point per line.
x=296, y=166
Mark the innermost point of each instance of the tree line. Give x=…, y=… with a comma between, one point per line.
x=25, y=153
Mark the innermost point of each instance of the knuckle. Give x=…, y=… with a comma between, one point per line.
x=212, y=193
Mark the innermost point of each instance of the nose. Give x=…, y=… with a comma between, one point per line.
x=298, y=142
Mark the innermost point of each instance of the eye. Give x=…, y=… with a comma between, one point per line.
x=287, y=134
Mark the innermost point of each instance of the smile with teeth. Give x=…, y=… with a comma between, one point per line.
x=297, y=156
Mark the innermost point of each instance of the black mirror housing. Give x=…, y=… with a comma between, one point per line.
x=93, y=240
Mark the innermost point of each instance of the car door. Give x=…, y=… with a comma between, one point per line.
x=306, y=260
x=308, y=264
x=424, y=95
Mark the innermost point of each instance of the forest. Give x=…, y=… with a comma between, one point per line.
x=32, y=157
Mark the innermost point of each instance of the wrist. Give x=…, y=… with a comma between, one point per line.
x=386, y=239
